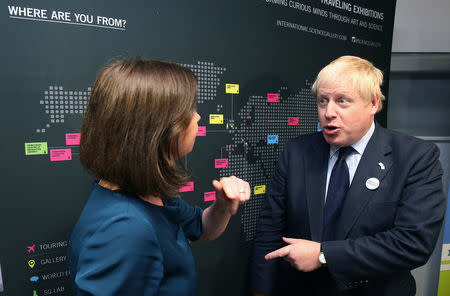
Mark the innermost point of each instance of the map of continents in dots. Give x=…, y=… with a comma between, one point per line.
x=258, y=132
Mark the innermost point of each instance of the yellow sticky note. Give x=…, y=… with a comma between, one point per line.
x=215, y=118
x=231, y=88
x=261, y=189
x=36, y=148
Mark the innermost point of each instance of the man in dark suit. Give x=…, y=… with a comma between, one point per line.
x=350, y=210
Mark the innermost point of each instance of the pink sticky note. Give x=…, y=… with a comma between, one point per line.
x=221, y=163
x=188, y=186
x=209, y=196
x=201, y=131
x=60, y=154
x=293, y=121
x=272, y=98
x=73, y=139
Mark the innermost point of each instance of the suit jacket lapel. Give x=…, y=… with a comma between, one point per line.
x=358, y=196
x=316, y=163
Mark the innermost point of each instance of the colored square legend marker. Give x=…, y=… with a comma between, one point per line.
x=293, y=121
x=272, y=139
x=215, y=118
x=73, y=139
x=210, y=196
x=60, y=154
x=201, y=131
x=231, y=88
x=273, y=98
x=221, y=163
x=261, y=189
x=187, y=187
x=36, y=148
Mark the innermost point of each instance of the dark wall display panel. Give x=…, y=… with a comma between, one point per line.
x=255, y=61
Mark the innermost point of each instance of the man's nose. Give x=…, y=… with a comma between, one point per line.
x=330, y=111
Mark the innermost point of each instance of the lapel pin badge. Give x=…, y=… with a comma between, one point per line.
x=372, y=183
x=381, y=165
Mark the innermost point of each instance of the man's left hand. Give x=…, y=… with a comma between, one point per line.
x=301, y=254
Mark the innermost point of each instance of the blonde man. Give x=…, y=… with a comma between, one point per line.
x=352, y=209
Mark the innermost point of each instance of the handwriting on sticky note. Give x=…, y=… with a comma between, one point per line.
x=60, y=154
x=215, y=118
x=260, y=189
x=187, y=187
x=210, y=196
x=272, y=139
x=293, y=121
x=36, y=148
x=221, y=163
x=201, y=131
x=73, y=139
x=231, y=88
x=273, y=98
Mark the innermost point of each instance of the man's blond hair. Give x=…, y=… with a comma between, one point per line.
x=365, y=77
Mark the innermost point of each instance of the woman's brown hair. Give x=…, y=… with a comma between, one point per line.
x=136, y=113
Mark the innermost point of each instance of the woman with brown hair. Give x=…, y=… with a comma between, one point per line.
x=132, y=237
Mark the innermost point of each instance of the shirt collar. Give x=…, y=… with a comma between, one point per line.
x=360, y=145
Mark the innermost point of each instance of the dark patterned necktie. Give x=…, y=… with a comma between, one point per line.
x=337, y=189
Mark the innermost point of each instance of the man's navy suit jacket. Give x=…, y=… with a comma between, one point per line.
x=382, y=233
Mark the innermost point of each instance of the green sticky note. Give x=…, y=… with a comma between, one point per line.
x=36, y=148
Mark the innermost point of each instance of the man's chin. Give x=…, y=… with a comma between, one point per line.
x=333, y=140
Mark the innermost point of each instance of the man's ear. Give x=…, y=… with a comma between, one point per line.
x=374, y=105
